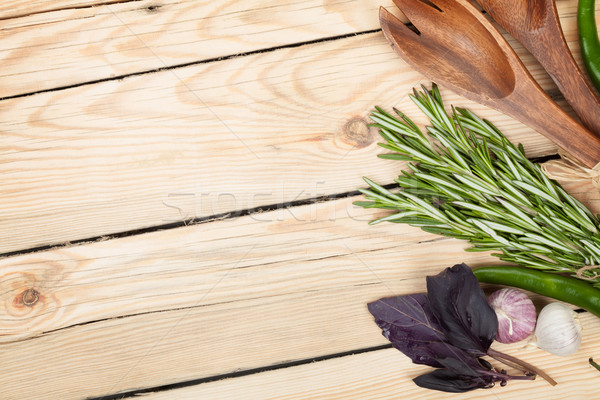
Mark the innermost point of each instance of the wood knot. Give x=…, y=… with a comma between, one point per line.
x=357, y=133
x=29, y=297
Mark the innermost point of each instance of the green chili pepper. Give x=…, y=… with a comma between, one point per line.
x=588, y=39
x=569, y=290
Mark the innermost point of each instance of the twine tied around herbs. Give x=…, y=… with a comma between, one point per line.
x=569, y=169
x=581, y=270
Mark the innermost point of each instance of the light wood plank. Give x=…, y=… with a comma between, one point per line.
x=194, y=296
x=203, y=140
x=169, y=347
x=309, y=248
x=205, y=300
x=387, y=374
x=54, y=49
x=21, y=8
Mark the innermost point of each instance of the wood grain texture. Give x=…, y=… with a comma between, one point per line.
x=387, y=374
x=298, y=250
x=198, y=141
x=229, y=295
x=21, y=8
x=54, y=49
x=206, y=300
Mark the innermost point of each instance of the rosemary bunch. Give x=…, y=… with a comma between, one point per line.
x=471, y=183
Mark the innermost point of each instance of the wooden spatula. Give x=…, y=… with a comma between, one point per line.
x=457, y=47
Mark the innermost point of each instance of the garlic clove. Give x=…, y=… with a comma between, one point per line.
x=558, y=330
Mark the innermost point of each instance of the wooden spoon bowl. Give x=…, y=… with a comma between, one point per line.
x=457, y=47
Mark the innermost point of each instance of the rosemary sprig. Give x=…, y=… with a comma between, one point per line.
x=468, y=181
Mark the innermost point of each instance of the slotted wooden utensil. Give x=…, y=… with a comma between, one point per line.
x=535, y=24
x=457, y=47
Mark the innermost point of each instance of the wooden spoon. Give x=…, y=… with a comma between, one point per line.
x=458, y=47
x=535, y=24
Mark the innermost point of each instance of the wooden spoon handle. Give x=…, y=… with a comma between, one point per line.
x=532, y=106
x=565, y=72
x=548, y=45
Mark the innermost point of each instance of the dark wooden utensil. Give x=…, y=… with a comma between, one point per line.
x=535, y=24
x=459, y=48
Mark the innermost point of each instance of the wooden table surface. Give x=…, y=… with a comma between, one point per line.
x=176, y=217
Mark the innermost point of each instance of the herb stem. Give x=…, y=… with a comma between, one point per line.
x=519, y=364
x=521, y=377
x=503, y=377
x=594, y=364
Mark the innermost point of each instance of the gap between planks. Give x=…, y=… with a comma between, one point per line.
x=554, y=94
x=153, y=35
x=96, y=198
x=216, y=217
x=180, y=385
x=116, y=39
x=387, y=374
x=305, y=276
x=186, y=388
x=60, y=276
x=195, y=221
x=27, y=8
x=149, y=150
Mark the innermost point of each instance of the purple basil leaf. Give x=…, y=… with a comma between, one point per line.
x=463, y=364
x=454, y=358
x=408, y=323
x=461, y=309
x=461, y=373
x=450, y=381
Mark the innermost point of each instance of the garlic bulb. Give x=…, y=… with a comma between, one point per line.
x=516, y=314
x=558, y=330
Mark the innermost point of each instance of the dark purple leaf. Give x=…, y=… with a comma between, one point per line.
x=462, y=364
x=461, y=309
x=449, y=381
x=461, y=373
x=408, y=323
